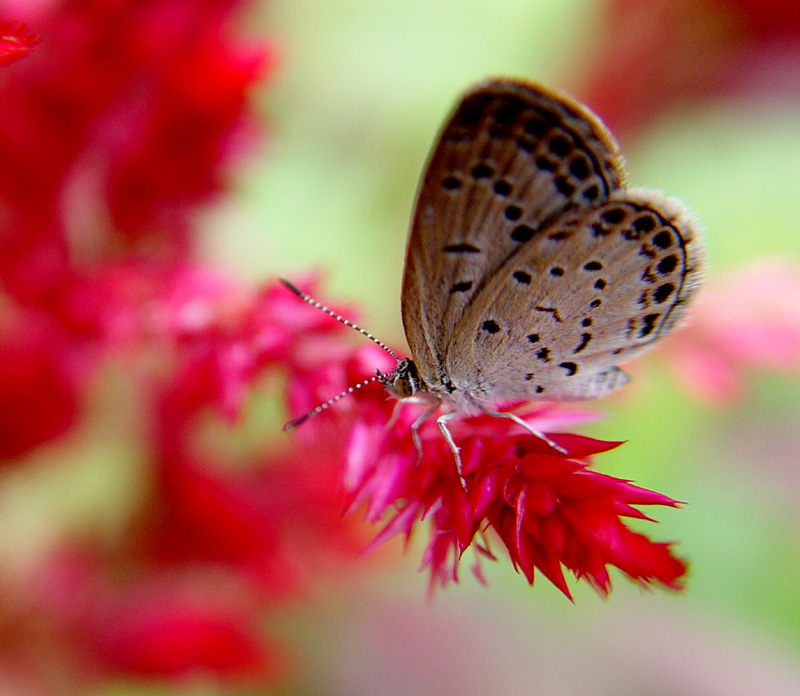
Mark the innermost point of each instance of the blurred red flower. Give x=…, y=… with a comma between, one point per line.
x=112, y=133
x=656, y=55
x=39, y=386
x=16, y=41
x=148, y=630
x=148, y=623
x=746, y=321
x=136, y=109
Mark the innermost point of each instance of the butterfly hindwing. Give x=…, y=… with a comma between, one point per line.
x=588, y=291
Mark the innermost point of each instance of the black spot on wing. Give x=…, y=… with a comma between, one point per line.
x=663, y=292
x=550, y=310
x=522, y=233
x=645, y=223
x=501, y=187
x=592, y=193
x=522, y=277
x=585, y=338
x=667, y=264
x=463, y=248
x=563, y=186
x=545, y=164
x=579, y=168
x=648, y=325
x=613, y=216
x=663, y=240
x=482, y=171
x=560, y=146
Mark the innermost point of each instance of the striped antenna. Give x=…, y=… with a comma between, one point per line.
x=310, y=300
x=292, y=424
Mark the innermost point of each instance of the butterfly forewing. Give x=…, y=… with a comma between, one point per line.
x=512, y=158
x=589, y=290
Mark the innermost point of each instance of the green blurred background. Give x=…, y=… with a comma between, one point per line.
x=359, y=95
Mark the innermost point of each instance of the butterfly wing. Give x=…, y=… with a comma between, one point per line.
x=593, y=288
x=512, y=157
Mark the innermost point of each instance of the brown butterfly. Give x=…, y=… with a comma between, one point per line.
x=531, y=269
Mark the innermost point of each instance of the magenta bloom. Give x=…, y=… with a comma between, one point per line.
x=37, y=382
x=16, y=41
x=749, y=320
x=651, y=56
x=550, y=510
x=149, y=624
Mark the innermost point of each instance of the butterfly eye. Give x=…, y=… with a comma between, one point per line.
x=404, y=386
x=405, y=382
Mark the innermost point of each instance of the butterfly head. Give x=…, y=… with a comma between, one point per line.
x=403, y=382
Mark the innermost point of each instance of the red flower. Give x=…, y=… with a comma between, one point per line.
x=749, y=320
x=551, y=511
x=654, y=55
x=16, y=41
x=39, y=386
x=169, y=158
x=547, y=508
x=113, y=134
x=140, y=622
x=278, y=524
x=206, y=341
x=162, y=632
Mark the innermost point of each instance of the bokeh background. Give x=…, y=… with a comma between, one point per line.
x=704, y=98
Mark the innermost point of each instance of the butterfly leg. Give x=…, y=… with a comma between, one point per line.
x=415, y=426
x=395, y=415
x=514, y=417
x=442, y=422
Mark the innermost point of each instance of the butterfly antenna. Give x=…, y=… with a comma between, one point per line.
x=310, y=300
x=292, y=424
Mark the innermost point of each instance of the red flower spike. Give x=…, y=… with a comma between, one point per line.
x=174, y=636
x=550, y=511
x=40, y=390
x=651, y=56
x=747, y=320
x=580, y=446
x=485, y=491
x=16, y=41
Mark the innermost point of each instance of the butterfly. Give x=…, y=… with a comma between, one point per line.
x=532, y=269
